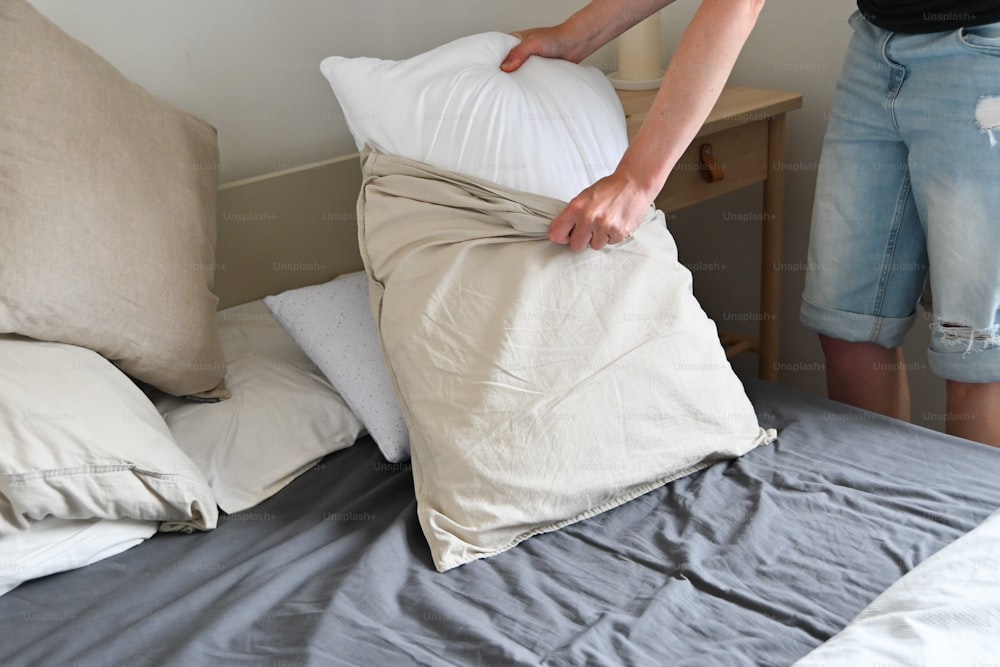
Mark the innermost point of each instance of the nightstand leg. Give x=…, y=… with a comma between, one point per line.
x=771, y=233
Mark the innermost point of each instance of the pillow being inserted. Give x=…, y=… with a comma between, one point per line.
x=539, y=386
x=107, y=211
x=550, y=128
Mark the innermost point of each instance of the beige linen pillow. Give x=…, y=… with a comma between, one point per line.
x=79, y=441
x=540, y=386
x=107, y=211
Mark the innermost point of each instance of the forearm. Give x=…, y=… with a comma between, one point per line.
x=695, y=77
x=602, y=20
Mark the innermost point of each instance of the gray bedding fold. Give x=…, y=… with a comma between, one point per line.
x=749, y=562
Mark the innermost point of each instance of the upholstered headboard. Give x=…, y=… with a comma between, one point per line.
x=287, y=229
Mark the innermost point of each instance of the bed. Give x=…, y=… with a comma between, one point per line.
x=753, y=562
x=808, y=542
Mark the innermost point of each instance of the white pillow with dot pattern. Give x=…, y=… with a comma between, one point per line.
x=333, y=325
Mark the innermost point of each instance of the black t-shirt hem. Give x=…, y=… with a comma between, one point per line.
x=945, y=17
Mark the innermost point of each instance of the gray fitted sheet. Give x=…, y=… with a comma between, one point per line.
x=750, y=562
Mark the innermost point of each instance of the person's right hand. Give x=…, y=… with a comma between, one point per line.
x=545, y=42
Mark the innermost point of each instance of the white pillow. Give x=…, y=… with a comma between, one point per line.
x=81, y=441
x=56, y=545
x=282, y=418
x=551, y=127
x=333, y=324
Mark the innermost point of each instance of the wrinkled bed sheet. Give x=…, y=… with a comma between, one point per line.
x=751, y=562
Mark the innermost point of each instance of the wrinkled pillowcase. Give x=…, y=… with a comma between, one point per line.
x=540, y=386
x=81, y=441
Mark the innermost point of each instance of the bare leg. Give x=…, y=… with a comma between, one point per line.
x=974, y=411
x=867, y=376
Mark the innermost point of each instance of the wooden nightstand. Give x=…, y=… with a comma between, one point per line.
x=741, y=143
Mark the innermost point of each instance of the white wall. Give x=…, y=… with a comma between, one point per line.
x=250, y=67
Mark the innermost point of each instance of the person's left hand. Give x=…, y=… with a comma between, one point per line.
x=606, y=213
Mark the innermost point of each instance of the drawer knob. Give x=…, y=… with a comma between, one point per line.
x=711, y=169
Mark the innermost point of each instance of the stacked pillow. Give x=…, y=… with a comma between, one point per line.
x=95, y=468
x=87, y=443
x=107, y=231
x=107, y=211
x=87, y=467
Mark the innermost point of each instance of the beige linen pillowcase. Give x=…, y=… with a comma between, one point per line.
x=107, y=211
x=540, y=386
x=79, y=441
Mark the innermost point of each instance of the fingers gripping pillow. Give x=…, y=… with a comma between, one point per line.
x=551, y=128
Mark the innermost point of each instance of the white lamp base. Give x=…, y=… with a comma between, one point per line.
x=634, y=84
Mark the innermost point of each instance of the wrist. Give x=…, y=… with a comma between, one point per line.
x=584, y=32
x=644, y=182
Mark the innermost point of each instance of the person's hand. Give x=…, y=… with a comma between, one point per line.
x=606, y=213
x=545, y=42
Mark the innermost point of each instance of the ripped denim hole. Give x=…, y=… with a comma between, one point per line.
x=959, y=338
x=988, y=117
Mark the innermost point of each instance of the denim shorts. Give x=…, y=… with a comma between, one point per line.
x=908, y=190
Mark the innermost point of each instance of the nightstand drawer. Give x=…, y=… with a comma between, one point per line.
x=741, y=152
x=746, y=130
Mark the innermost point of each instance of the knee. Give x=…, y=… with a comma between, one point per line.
x=858, y=355
x=839, y=346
